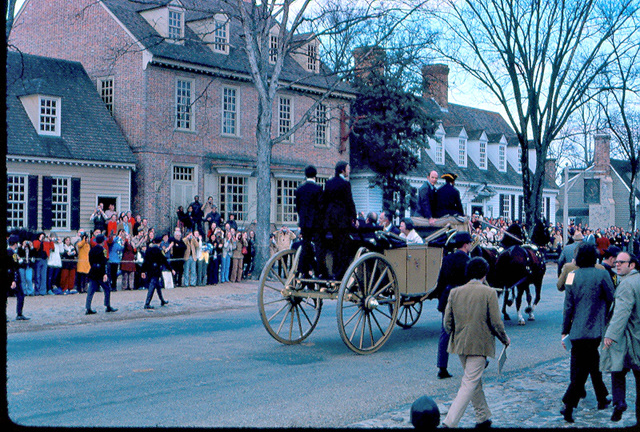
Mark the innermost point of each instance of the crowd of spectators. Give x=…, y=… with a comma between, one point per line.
x=203, y=249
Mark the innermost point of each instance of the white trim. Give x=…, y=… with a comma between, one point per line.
x=54, y=161
x=289, y=176
x=236, y=89
x=234, y=171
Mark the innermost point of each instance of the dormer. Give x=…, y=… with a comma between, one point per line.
x=168, y=21
x=273, y=44
x=497, y=144
x=456, y=144
x=436, y=145
x=477, y=148
x=514, y=157
x=214, y=31
x=45, y=113
x=307, y=53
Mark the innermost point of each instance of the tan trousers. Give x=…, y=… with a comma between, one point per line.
x=470, y=391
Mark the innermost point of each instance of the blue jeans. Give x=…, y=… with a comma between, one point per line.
x=93, y=287
x=189, y=277
x=26, y=280
x=155, y=284
x=443, y=342
x=40, y=276
x=201, y=270
x=226, y=264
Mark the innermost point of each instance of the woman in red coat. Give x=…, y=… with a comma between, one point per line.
x=128, y=265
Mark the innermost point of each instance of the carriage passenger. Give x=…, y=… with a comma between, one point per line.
x=408, y=232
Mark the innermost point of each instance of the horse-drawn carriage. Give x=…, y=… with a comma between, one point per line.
x=384, y=286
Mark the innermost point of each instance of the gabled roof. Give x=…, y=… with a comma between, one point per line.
x=474, y=118
x=88, y=132
x=196, y=52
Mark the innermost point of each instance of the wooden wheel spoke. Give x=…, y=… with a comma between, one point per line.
x=284, y=319
x=278, y=312
x=355, y=327
x=378, y=324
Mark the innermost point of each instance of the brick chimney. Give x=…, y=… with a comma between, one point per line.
x=368, y=59
x=435, y=84
x=601, y=154
x=550, y=171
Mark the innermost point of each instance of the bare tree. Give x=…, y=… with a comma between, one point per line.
x=9, y=13
x=540, y=59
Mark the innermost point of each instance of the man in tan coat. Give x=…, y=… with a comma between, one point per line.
x=472, y=317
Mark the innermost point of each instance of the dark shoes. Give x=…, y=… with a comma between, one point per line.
x=111, y=309
x=617, y=414
x=164, y=302
x=148, y=307
x=484, y=425
x=22, y=318
x=444, y=374
x=604, y=403
x=567, y=413
x=90, y=312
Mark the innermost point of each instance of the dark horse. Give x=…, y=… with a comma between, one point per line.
x=513, y=270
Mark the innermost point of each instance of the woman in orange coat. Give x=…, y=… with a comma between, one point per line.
x=82, y=272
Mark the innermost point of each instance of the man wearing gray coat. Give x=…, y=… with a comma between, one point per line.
x=569, y=251
x=621, y=351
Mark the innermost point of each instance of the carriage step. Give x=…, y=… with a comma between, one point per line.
x=319, y=281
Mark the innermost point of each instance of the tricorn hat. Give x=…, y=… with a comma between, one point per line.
x=612, y=251
x=462, y=237
x=578, y=236
x=449, y=176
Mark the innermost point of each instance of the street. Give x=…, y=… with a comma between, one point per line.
x=222, y=369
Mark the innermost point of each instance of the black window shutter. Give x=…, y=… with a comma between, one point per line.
x=47, y=183
x=500, y=213
x=513, y=208
x=75, y=203
x=32, y=211
x=548, y=210
x=521, y=207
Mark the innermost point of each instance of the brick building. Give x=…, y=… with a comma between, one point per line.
x=177, y=82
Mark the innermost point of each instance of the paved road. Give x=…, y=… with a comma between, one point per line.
x=205, y=360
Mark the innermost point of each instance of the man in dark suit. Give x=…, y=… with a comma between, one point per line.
x=427, y=197
x=308, y=198
x=339, y=216
x=154, y=263
x=385, y=222
x=452, y=274
x=13, y=275
x=98, y=276
x=448, y=198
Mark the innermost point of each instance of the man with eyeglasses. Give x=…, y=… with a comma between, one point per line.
x=621, y=351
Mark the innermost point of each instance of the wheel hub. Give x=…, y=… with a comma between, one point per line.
x=371, y=303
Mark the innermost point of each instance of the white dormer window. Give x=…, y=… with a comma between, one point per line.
x=483, y=155
x=312, y=58
x=176, y=24
x=462, y=152
x=439, y=152
x=49, y=116
x=221, y=37
x=502, y=158
x=273, y=48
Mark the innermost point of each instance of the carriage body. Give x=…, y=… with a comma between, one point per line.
x=384, y=286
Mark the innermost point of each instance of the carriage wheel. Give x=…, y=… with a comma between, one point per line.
x=287, y=318
x=368, y=303
x=408, y=315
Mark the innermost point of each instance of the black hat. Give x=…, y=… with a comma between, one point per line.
x=13, y=239
x=157, y=239
x=99, y=238
x=462, y=237
x=612, y=251
x=449, y=176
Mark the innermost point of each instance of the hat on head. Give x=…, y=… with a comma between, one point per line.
x=13, y=239
x=463, y=237
x=99, y=238
x=612, y=251
x=157, y=239
x=578, y=236
x=449, y=176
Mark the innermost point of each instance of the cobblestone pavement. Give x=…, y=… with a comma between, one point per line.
x=518, y=399
x=524, y=399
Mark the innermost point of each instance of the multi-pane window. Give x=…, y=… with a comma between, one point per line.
x=60, y=205
x=49, y=118
x=284, y=116
x=285, y=200
x=312, y=57
x=229, y=111
x=221, y=37
x=183, y=173
x=16, y=201
x=175, y=24
x=502, y=158
x=505, y=211
x=273, y=48
x=184, y=110
x=483, y=155
x=105, y=88
x=322, y=125
x=462, y=152
x=439, y=150
x=234, y=197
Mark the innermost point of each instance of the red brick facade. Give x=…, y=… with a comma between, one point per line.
x=144, y=107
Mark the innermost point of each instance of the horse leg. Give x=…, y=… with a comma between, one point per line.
x=518, y=304
x=504, y=304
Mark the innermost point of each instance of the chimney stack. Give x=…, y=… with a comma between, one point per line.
x=601, y=154
x=550, y=171
x=368, y=60
x=435, y=84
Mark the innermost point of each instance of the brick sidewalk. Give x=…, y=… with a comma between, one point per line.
x=56, y=310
